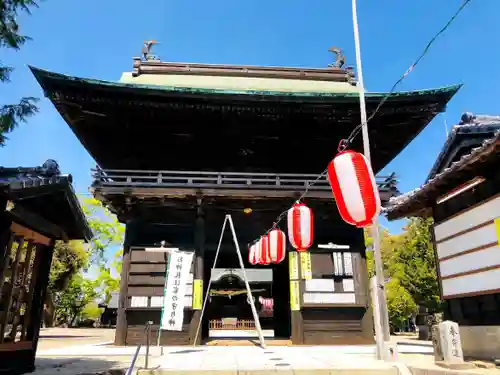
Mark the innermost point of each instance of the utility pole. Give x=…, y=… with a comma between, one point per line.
x=382, y=337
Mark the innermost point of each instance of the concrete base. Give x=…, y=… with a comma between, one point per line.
x=481, y=342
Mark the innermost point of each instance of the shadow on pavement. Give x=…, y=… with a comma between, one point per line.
x=81, y=366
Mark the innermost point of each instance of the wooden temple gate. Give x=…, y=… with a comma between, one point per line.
x=179, y=146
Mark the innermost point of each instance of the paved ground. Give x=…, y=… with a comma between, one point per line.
x=51, y=338
x=88, y=351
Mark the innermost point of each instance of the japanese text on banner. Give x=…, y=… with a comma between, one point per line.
x=173, y=304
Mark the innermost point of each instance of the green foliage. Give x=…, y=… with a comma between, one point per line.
x=12, y=114
x=106, y=228
x=68, y=259
x=91, y=311
x=414, y=264
x=71, y=302
x=70, y=293
x=400, y=303
x=107, y=281
x=409, y=261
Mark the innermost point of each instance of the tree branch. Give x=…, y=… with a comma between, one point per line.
x=12, y=114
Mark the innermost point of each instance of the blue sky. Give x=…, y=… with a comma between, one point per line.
x=98, y=39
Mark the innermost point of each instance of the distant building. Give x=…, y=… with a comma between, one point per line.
x=108, y=316
x=462, y=194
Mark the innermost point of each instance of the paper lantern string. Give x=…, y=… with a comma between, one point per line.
x=346, y=142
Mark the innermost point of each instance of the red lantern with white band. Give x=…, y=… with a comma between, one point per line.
x=265, y=257
x=354, y=188
x=277, y=246
x=252, y=254
x=300, y=226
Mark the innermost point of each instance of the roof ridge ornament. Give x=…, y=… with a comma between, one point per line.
x=146, y=51
x=339, y=58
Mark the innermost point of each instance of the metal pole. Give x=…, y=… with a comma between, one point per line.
x=376, y=316
x=379, y=271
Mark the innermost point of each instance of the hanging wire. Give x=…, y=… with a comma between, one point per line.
x=346, y=142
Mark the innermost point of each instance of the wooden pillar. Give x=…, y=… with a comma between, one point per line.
x=121, y=316
x=5, y=239
x=198, y=287
x=43, y=262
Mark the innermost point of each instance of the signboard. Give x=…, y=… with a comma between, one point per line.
x=294, y=295
x=197, y=294
x=177, y=276
x=294, y=265
x=497, y=228
x=305, y=265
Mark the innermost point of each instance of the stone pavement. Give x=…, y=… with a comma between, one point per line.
x=246, y=360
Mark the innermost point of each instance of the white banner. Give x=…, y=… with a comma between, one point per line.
x=179, y=267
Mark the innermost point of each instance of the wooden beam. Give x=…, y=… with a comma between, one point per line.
x=7, y=289
x=28, y=234
x=199, y=259
x=33, y=220
x=45, y=253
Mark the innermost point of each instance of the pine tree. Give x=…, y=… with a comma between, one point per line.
x=10, y=37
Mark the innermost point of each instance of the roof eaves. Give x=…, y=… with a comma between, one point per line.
x=41, y=75
x=396, y=203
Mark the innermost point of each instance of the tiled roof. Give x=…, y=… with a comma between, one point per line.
x=404, y=201
x=470, y=124
x=25, y=184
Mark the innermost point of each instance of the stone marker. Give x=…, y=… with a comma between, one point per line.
x=448, y=346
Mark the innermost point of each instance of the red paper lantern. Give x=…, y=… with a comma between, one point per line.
x=265, y=257
x=300, y=226
x=252, y=254
x=354, y=188
x=267, y=303
x=277, y=246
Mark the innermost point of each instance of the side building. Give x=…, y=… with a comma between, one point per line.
x=37, y=208
x=462, y=195
x=181, y=145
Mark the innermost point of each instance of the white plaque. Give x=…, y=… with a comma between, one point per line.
x=348, y=264
x=179, y=267
x=156, y=301
x=139, y=301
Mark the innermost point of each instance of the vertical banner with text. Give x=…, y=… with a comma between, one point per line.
x=173, y=303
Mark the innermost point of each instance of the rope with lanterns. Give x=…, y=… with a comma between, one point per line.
x=355, y=192
x=353, y=185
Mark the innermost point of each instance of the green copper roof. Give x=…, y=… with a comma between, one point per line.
x=43, y=76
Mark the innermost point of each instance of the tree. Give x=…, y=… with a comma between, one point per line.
x=106, y=228
x=107, y=281
x=414, y=264
x=68, y=259
x=400, y=303
x=71, y=302
x=91, y=311
x=12, y=114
